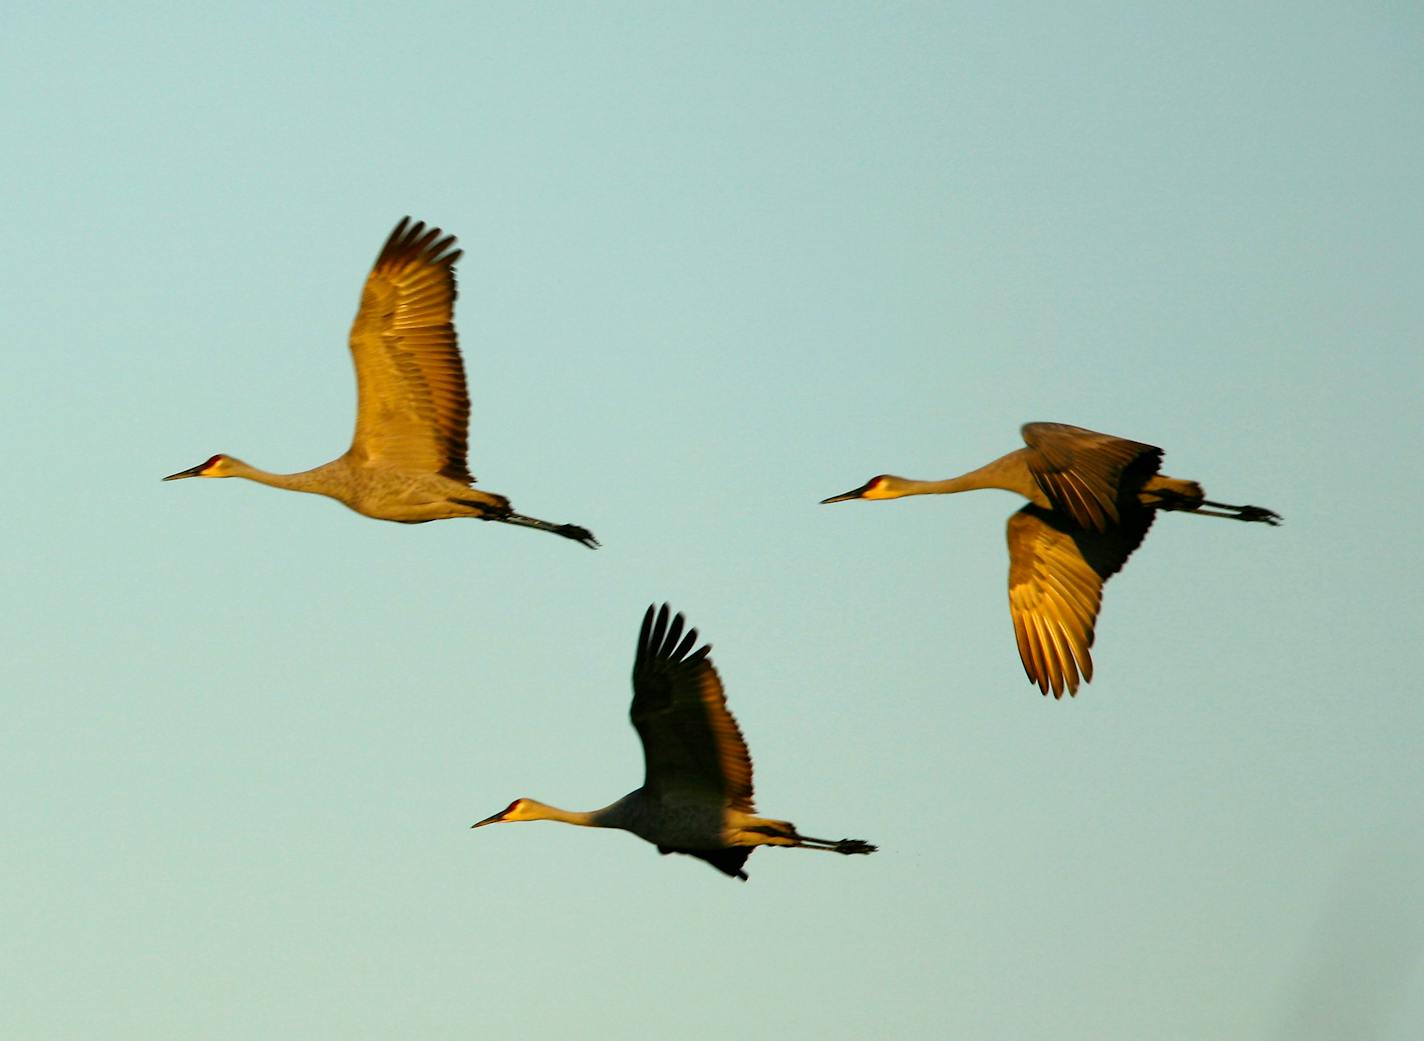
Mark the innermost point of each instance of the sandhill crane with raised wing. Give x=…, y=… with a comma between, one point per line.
x=1092, y=498
x=696, y=796
x=407, y=461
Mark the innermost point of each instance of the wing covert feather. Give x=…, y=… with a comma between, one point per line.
x=1083, y=472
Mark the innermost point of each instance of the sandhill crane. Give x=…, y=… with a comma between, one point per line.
x=696, y=796
x=1092, y=498
x=406, y=462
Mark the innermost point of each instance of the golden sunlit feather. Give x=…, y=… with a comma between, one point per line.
x=412, y=408
x=1055, y=594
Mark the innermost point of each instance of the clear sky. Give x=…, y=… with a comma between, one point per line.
x=721, y=261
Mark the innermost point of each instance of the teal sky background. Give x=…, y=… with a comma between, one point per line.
x=720, y=262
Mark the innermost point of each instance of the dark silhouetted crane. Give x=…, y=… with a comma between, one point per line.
x=696, y=796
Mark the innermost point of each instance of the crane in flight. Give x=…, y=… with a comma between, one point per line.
x=696, y=796
x=407, y=460
x=1091, y=498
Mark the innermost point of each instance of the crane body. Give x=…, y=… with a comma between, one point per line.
x=407, y=460
x=1092, y=498
x=696, y=797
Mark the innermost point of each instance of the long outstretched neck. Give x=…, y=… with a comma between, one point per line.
x=1000, y=473
x=534, y=810
x=306, y=481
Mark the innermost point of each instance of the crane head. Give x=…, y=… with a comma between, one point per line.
x=878, y=487
x=216, y=466
x=518, y=810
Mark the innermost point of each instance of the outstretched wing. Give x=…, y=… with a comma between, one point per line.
x=412, y=409
x=691, y=743
x=1083, y=472
x=1056, y=576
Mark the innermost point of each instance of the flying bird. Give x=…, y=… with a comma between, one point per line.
x=696, y=796
x=1092, y=498
x=407, y=461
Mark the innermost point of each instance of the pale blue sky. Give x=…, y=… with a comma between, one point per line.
x=720, y=263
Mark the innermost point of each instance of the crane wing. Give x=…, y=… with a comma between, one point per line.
x=412, y=408
x=1056, y=576
x=691, y=743
x=1082, y=471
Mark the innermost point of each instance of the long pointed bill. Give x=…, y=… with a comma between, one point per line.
x=844, y=496
x=195, y=471
x=491, y=820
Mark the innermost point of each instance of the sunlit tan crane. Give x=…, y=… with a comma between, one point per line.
x=407, y=460
x=696, y=796
x=1092, y=498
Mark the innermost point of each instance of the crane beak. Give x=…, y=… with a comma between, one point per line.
x=845, y=496
x=195, y=471
x=490, y=820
